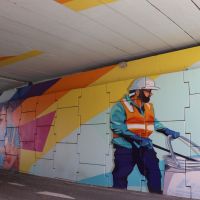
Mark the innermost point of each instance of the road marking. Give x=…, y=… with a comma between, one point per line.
x=17, y=184
x=55, y=195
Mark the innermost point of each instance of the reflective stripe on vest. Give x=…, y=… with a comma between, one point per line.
x=140, y=126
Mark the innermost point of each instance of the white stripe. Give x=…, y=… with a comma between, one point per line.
x=17, y=184
x=128, y=105
x=140, y=126
x=150, y=127
x=55, y=195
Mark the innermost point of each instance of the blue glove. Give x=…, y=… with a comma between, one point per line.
x=146, y=142
x=174, y=134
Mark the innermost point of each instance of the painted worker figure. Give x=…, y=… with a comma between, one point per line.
x=132, y=121
x=9, y=141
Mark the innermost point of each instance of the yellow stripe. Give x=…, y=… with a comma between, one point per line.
x=164, y=63
x=78, y=5
x=19, y=58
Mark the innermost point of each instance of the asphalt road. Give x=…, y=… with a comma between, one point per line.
x=28, y=187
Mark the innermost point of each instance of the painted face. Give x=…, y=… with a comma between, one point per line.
x=145, y=95
x=2, y=122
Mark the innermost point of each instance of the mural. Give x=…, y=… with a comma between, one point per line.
x=61, y=128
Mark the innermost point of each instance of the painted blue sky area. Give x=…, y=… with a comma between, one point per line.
x=105, y=180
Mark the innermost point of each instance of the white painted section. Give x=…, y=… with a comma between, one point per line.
x=172, y=97
x=192, y=115
x=53, y=194
x=16, y=184
x=43, y=167
x=66, y=161
x=93, y=144
x=87, y=171
x=192, y=77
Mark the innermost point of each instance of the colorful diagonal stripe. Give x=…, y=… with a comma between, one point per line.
x=78, y=5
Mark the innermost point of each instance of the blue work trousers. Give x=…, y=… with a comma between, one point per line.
x=147, y=162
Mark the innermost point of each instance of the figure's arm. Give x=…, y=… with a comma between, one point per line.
x=166, y=131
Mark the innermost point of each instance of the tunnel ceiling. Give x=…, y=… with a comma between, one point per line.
x=44, y=39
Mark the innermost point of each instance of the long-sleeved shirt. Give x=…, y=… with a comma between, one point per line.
x=118, y=125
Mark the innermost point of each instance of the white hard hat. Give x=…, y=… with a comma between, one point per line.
x=143, y=83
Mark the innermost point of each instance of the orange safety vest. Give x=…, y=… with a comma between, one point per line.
x=141, y=125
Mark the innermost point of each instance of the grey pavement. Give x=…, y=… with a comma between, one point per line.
x=14, y=186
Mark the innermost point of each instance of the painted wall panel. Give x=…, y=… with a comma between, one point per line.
x=93, y=144
x=44, y=167
x=27, y=129
x=46, y=105
x=192, y=118
x=92, y=174
x=118, y=89
x=45, y=137
x=67, y=123
x=135, y=180
x=66, y=161
x=26, y=156
x=93, y=101
x=192, y=77
x=109, y=165
x=172, y=98
x=29, y=104
x=68, y=98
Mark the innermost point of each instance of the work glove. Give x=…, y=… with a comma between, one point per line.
x=146, y=142
x=174, y=134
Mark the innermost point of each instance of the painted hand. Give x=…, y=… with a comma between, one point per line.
x=146, y=142
x=174, y=134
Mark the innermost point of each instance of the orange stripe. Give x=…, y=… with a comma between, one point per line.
x=44, y=101
x=78, y=80
x=62, y=1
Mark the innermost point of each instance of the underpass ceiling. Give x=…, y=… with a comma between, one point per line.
x=44, y=39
